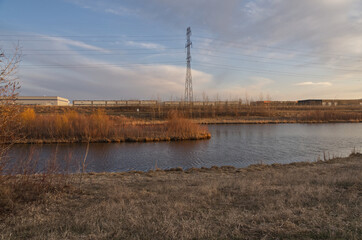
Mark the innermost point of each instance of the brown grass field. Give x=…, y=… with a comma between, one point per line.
x=319, y=200
x=225, y=114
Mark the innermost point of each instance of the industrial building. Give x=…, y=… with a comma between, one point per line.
x=310, y=102
x=114, y=103
x=42, y=101
x=140, y=103
x=59, y=101
x=331, y=102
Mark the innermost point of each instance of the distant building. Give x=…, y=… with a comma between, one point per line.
x=331, y=102
x=310, y=102
x=42, y=101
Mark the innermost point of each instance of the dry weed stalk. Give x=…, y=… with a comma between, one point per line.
x=83, y=165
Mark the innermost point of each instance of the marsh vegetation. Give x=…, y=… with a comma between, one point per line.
x=100, y=127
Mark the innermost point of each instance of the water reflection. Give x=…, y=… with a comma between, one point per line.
x=236, y=145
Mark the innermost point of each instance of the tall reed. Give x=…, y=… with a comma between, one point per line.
x=98, y=126
x=181, y=127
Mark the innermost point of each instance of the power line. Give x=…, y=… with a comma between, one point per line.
x=243, y=69
x=238, y=45
x=167, y=38
x=176, y=64
x=217, y=65
x=88, y=40
x=273, y=58
x=74, y=52
x=285, y=64
x=96, y=65
x=188, y=73
x=87, y=36
x=112, y=54
x=93, y=50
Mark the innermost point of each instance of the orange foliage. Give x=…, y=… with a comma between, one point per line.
x=28, y=115
x=181, y=127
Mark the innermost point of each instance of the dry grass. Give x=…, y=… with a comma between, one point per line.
x=328, y=116
x=183, y=128
x=296, y=201
x=227, y=114
x=28, y=180
x=100, y=127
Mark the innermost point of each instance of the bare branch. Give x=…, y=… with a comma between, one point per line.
x=8, y=110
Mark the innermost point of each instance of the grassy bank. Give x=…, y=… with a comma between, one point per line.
x=227, y=114
x=321, y=200
x=99, y=127
x=228, y=120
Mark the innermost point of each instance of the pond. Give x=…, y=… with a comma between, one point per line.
x=232, y=145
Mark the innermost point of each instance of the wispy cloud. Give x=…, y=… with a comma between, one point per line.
x=145, y=45
x=120, y=11
x=314, y=84
x=74, y=43
x=111, y=7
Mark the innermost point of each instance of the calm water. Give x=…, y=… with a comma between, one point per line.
x=236, y=145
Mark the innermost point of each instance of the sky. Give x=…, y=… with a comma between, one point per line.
x=135, y=49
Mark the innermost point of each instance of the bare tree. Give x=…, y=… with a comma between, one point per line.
x=9, y=112
x=261, y=97
x=247, y=98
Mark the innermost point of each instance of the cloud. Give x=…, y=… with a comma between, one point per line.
x=76, y=75
x=145, y=45
x=318, y=41
x=120, y=11
x=115, y=8
x=73, y=43
x=314, y=84
x=112, y=82
x=308, y=26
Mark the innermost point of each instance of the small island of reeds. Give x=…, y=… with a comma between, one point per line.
x=72, y=127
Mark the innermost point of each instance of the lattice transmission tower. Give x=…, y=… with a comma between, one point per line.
x=188, y=82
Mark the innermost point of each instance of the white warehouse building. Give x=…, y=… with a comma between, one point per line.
x=42, y=101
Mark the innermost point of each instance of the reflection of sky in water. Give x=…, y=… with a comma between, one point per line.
x=236, y=145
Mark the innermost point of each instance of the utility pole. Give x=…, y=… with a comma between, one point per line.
x=188, y=82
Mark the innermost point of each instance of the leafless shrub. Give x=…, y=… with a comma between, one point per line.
x=8, y=110
x=21, y=181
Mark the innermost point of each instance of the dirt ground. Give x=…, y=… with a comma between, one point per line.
x=320, y=200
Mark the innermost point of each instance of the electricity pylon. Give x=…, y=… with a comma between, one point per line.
x=188, y=82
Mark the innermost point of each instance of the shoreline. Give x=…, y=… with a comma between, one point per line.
x=205, y=136
x=232, y=169
x=246, y=122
